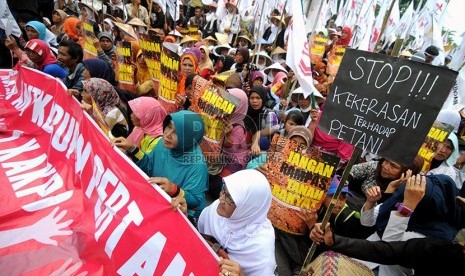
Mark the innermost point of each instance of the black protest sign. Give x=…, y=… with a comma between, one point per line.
x=385, y=105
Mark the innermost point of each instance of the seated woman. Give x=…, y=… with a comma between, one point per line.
x=424, y=206
x=108, y=106
x=234, y=148
x=98, y=68
x=142, y=76
x=385, y=174
x=176, y=163
x=445, y=158
x=37, y=54
x=260, y=121
x=147, y=116
x=293, y=119
x=238, y=221
x=37, y=30
x=206, y=64
x=58, y=18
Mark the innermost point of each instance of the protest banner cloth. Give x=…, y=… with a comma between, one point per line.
x=318, y=47
x=389, y=104
x=74, y=205
x=125, y=70
x=334, y=59
x=169, y=77
x=436, y=136
x=299, y=178
x=88, y=32
x=150, y=45
x=215, y=106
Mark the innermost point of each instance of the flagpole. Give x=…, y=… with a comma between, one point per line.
x=150, y=15
x=258, y=35
x=383, y=28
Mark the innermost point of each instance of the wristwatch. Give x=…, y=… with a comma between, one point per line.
x=404, y=211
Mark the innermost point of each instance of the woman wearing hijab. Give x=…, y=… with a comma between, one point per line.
x=346, y=35
x=37, y=30
x=176, y=164
x=37, y=54
x=106, y=48
x=71, y=28
x=58, y=18
x=278, y=84
x=97, y=68
x=242, y=57
x=223, y=64
x=238, y=221
x=107, y=103
x=206, y=64
x=108, y=27
x=234, y=148
x=189, y=65
x=260, y=121
x=445, y=158
x=147, y=116
x=141, y=74
x=423, y=207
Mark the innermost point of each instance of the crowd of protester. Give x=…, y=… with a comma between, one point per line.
x=382, y=201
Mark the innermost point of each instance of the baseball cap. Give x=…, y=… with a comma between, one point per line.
x=334, y=184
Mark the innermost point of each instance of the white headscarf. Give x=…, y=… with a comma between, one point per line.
x=109, y=22
x=247, y=235
x=451, y=117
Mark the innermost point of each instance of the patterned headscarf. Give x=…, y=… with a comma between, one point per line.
x=103, y=93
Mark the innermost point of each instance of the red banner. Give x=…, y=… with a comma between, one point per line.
x=74, y=205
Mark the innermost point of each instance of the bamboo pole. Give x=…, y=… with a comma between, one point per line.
x=327, y=215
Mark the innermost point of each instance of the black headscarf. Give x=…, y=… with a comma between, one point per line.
x=244, y=52
x=253, y=119
x=437, y=214
x=228, y=61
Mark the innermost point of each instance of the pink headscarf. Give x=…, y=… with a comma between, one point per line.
x=150, y=114
x=277, y=85
x=241, y=110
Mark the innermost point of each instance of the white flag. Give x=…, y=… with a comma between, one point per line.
x=298, y=53
x=405, y=22
x=366, y=26
x=7, y=21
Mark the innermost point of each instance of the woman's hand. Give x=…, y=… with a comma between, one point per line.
x=393, y=185
x=373, y=194
x=86, y=107
x=164, y=183
x=10, y=43
x=122, y=143
x=229, y=268
x=180, y=100
x=414, y=191
x=179, y=202
x=255, y=149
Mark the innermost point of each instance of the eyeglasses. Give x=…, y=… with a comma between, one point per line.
x=227, y=197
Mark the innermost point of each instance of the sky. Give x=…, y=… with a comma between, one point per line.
x=455, y=21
